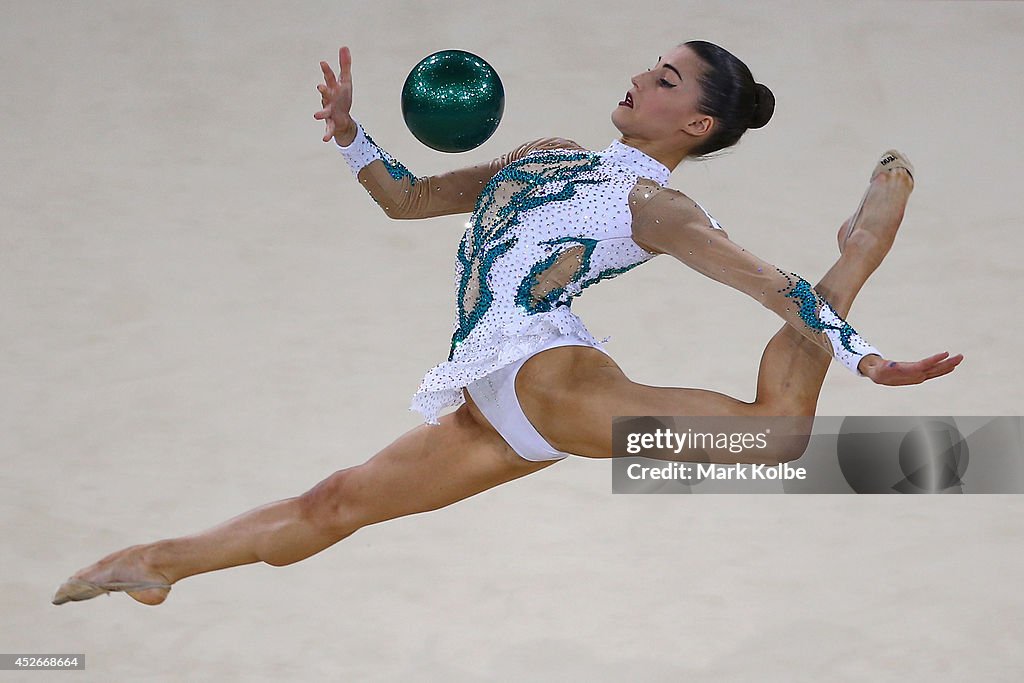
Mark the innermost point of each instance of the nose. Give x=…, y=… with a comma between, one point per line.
x=639, y=77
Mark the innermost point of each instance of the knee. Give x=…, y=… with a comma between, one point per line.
x=333, y=504
x=791, y=452
x=792, y=435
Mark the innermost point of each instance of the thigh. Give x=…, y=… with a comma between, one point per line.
x=578, y=400
x=427, y=468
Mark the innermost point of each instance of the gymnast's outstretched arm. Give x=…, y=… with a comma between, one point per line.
x=402, y=195
x=670, y=222
x=398, y=192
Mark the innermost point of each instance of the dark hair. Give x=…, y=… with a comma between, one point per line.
x=729, y=95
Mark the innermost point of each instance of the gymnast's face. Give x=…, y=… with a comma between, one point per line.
x=664, y=102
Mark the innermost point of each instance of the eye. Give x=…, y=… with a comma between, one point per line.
x=665, y=83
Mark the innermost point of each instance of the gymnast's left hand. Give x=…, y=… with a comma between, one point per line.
x=897, y=373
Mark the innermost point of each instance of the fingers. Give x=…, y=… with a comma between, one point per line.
x=328, y=75
x=945, y=367
x=345, y=64
x=921, y=366
x=924, y=370
x=325, y=112
x=894, y=373
x=325, y=92
x=938, y=356
x=938, y=360
x=330, y=85
x=925, y=363
x=344, y=68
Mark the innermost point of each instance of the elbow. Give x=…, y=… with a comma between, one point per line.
x=406, y=213
x=394, y=212
x=403, y=210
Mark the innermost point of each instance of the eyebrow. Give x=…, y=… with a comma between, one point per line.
x=669, y=66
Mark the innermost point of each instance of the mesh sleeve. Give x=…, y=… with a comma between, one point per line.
x=403, y=195
x=670, y=222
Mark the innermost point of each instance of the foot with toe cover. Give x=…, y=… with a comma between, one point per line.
x=126, y=571
x=891, y=161
x=79, y=589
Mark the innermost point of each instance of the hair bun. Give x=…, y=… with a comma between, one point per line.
x=764, y=106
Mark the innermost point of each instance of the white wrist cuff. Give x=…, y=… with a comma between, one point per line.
x=847, y=346
x=360, y=152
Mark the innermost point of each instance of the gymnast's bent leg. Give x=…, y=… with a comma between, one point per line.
x=429, y=467
x=792, y=367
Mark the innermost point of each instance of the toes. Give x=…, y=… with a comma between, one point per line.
x=75, y=589
x=893, y=165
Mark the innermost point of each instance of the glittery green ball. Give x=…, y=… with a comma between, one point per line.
x=452, y=101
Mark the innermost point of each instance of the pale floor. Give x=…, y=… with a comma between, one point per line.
x=203, y=312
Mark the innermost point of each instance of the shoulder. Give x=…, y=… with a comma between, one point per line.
x=543, y=144
x=554, y=143
x=650, y=202
x=662, y=214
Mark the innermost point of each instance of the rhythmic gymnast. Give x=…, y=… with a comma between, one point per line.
x=529, y=382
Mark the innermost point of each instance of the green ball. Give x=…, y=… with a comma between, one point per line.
x=452, y=101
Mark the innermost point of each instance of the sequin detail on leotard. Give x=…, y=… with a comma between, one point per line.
x=492, y=231
x=528, y=216
x=525, y=293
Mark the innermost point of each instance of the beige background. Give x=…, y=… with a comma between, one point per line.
x=202, y=312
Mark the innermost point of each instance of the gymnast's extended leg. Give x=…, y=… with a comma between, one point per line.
x=427, y=468
x=791, y=372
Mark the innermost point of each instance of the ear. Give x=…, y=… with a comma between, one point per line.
x=699, y=126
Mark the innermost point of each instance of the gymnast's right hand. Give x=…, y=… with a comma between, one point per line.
x=893, y=373
x=336, y=100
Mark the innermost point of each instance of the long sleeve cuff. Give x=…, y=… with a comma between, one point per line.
x=847, y=345
x=360, y=152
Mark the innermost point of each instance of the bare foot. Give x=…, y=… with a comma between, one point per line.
x=125, y=570
x=878, y=218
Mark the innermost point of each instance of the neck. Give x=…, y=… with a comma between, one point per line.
x=667, y=155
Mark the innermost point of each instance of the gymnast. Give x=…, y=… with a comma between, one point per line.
x=530, y=385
